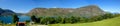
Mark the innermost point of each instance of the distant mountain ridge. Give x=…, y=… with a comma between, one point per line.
x=87, y=11
x=6, y=12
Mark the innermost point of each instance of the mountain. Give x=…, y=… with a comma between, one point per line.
x=90, y=10
x=6, y=12
x=86, y=11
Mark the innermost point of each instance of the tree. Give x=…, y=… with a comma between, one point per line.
x=68, y=20
x=63, y=20
x=94, y=18
x=44, y=20
x=73, y=19
x=33, y=18
x=101, y=17
x=116, y=14
x=107, y=15
x=15, y=18
x=38, y=20
x=51, y=20
x=1, y=22
x=58, y=19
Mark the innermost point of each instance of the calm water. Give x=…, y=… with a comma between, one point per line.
x=8, y=19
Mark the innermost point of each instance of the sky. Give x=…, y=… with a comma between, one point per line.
x=24, y=6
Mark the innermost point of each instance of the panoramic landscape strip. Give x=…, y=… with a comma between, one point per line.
x=90, y=15
x=59, y=13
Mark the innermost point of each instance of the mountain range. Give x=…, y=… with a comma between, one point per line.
x=86, y=11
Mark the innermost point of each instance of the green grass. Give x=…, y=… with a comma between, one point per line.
x=106, y=22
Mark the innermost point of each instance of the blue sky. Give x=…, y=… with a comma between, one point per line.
x=24, y=6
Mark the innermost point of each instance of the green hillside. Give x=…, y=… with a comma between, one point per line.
x=108, y=22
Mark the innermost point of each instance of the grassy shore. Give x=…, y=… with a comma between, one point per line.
x=7, y=25
x=107, y=22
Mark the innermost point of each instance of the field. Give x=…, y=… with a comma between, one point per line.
x=107, y=22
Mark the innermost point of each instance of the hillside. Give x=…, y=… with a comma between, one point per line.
x=108, y=22
x=86, y=11
x=6, y=12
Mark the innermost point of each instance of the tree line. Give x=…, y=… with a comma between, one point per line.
x=71, y=19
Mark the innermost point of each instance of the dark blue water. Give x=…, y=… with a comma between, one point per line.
x=8, y=19
x=24, y=18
